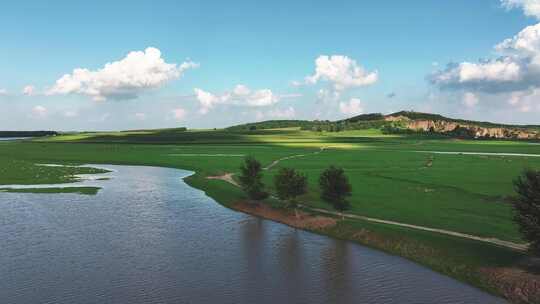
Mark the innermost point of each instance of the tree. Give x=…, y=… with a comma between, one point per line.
x=335, y=188
x=527, y=207
x=290, y=184
x=251, y=179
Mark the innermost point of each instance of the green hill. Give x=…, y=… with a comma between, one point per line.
x=27, y=133
x=400, y=123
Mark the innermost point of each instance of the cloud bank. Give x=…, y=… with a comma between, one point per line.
x=28, y=90
x=512, y=78
x=352, y=107
x=241, y=95
x=123, y=79
x=342, y=72
x=516, y=69
x=530, y=8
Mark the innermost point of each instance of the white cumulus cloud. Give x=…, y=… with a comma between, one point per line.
x=240, y=95
x=123, y=79
x=342, y=72
x=328, y=96
x=352, y=107
x=525, y=101
x=3, y=92
x=28, y=90
x=507, y=81
x=530, y=8
x=516, y=68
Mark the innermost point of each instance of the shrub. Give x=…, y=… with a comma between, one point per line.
x=335, y=188
x=251, y=179
x=527, y=207
x=290, y=184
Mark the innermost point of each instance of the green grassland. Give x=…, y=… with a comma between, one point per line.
x=17, y=170
x=54, y=190
x=393, y=178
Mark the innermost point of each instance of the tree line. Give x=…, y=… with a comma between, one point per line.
x=289, y=184
x=27, y=133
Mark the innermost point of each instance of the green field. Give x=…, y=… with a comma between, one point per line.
x=17, y=170
x=394, y=178
x=55, y=190
x=391, y=179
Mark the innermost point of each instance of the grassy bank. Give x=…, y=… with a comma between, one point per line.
x=391, y=179
x=15, y=170
x=54, y=190
x=476, y=263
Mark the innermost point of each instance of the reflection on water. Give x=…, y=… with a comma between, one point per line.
x=149, y=238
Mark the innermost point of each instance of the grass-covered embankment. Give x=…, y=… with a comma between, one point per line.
x=14, y=170
x=476, y=263
x=54, y=190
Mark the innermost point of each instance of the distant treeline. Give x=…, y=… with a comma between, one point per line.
x=27, y=133
x=169, y=130
x=343, y=125
x=314, y=125
x=271, y=124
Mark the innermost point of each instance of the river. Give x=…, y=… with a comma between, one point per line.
x=147, y=237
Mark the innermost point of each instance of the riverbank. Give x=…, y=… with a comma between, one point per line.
x=54, y=190
x=489, y=267
x=460, y=193
x=485, y=266
x=150, y=238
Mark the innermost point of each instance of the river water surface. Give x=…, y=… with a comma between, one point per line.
x=147, y=237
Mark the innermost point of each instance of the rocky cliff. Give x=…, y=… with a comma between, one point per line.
x=446, y=126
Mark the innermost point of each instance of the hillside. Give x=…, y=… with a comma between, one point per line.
x=271, y=124
x=27, y=133
x=427, y=123
x=436, y=117
x=406, y=122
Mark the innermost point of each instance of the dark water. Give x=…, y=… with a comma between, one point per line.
x=149, y=238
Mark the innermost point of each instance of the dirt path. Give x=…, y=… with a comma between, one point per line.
x=479, y=153
x=228, y=177
x=274, y=163
x=521, y=247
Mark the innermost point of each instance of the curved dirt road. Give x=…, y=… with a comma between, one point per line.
x=228, y=177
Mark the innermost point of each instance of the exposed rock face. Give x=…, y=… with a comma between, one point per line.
x=442, y=126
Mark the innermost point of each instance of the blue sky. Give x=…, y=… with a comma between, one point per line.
x=252, y=60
